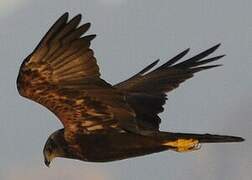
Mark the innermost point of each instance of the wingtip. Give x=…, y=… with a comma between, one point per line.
x=63, y=18
x=187, y=50
x=213, y=66
x=65, y=15
x=78, y=16
x=201, y=68
x=221, y=56
x=90, y=37
x=155, y=62
x=216, y=46
x=88, y=24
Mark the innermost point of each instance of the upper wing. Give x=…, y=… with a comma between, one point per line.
x=62, y=75
x=63, y=55
x=151, y=86
x=169, y=75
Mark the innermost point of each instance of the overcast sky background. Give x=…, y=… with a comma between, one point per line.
x=132, y=34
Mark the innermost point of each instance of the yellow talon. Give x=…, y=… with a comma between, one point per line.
x=183, y=145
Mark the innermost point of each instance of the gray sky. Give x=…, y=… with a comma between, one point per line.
x=131, y=34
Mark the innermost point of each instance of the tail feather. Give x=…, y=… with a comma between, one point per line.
x=202, y=138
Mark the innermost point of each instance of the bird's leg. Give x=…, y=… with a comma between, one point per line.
x=183, y=145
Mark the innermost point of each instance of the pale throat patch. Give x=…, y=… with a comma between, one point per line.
x=183, y=145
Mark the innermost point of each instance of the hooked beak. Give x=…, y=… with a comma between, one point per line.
x=47, y=162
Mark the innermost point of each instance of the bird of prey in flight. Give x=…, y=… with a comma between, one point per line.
x=104, y=122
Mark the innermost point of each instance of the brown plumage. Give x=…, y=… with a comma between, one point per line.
x=104, y=122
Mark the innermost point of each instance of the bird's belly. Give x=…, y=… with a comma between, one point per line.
x=111, y=147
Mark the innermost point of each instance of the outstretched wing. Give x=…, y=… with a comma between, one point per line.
x=146, y=90
x=62, y=74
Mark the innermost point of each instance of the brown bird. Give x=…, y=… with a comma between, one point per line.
x=104, y=122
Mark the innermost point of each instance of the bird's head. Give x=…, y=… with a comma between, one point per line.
x=55, y=147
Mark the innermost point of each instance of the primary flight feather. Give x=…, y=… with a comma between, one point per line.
x=103, y=122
